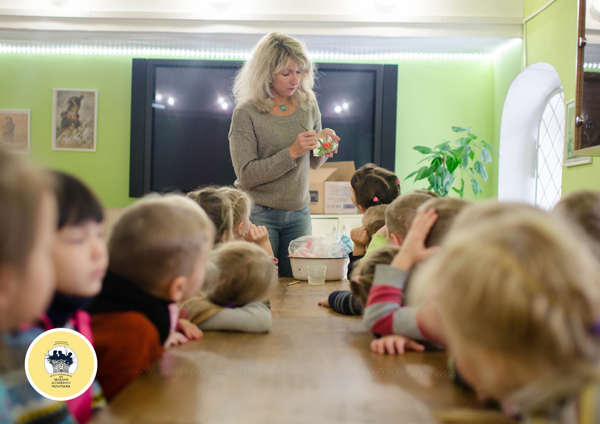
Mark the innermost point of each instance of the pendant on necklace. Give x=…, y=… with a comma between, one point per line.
x=283, y=108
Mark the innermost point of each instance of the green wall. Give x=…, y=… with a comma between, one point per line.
x=552, y=38
x=433, y=95
x=26, y=82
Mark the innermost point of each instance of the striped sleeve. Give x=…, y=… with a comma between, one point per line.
x=383, y=312
x=344, y=302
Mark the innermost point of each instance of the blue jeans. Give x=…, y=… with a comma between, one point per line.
x=283, y=227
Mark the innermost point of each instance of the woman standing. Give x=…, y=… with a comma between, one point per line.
x=270, y=150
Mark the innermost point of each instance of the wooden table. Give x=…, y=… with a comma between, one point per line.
x=314, y=366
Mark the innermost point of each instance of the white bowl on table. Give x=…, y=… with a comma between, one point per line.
x=336, y=267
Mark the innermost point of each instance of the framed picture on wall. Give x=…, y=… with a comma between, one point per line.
x=568, y=158
x=14, y=130
x=74, y=119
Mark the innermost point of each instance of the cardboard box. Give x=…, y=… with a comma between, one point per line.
x=330, y=190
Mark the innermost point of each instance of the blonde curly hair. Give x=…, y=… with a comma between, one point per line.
x=270, y=56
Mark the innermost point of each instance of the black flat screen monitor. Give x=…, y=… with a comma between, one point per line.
x=181, y=115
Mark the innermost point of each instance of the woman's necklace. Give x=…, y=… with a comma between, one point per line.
x=283, y=108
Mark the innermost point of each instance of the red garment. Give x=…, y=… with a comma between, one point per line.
x=127, y=344
x=81, y=406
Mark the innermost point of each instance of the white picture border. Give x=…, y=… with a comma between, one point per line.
x=577, y=160
x=22, y=112
x=54, y=111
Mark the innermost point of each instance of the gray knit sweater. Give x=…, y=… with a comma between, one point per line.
x=265, y=170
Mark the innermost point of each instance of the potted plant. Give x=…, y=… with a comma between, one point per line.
x=445, y=160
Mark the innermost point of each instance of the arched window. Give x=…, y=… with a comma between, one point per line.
x=551, y=135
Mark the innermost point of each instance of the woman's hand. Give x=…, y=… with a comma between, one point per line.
x=328, y=132
x=305, y=142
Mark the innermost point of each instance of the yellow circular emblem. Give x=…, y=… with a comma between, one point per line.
x=61, y=364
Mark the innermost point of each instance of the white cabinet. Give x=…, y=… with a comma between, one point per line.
x=337, y=225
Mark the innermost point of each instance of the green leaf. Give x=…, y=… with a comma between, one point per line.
x=462, y=187
x=476, y=187
x=465, y=161
x=410, y=175
x=424, y=172
x=472, y=155
x=443, y=146
x=437, y=155
x=473, y=136
x=486, y=156
x=490, y=147
x=460, y=129
x=452, y=164
x=423, y=149
x=456, y=190
x=480, y=169
x=434, y=183
x=437, y=162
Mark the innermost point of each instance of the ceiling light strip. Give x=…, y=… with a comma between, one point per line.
x=126, y=51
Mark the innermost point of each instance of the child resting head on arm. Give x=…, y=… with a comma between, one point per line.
x=428, y=230
x=27, y=281
x=520, y=302
x=217, y=206
x=158, y=251
x=240, y=277
x=243, y=229
x=582, y=209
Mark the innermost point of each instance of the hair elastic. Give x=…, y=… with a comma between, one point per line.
x=375, y=199
x=230, y=305
x=356, y=279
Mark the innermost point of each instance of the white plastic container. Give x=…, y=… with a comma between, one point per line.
x=336, y=267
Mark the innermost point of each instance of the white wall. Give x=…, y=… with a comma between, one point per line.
x=521, y=116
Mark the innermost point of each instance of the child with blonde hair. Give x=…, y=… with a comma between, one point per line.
x=243, y=229
x=217, y=206
x=520, y=302
x=27, y=280
x=240, y=277
x=384, y=312
x=158, y=251
x=582, y=208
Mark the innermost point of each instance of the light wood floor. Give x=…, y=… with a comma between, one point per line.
x=313, y=367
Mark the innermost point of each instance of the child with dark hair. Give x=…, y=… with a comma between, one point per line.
x=373, y=185
x=80, y=260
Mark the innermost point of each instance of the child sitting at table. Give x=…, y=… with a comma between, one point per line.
x=384, y=311
x=240, y=277
x=398, y=218
x=27, y=230
x=80, y=260
x=217, y=206
x=520, y=302
x=243, y=229
x=158, y=251
x=582, y=208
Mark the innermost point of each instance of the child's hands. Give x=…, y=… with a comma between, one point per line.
x=393, y=344
x=360, y=238
x=190, y=330
x=413, y=247
x=260, y=236
x=324, y=303
x=174, y=339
